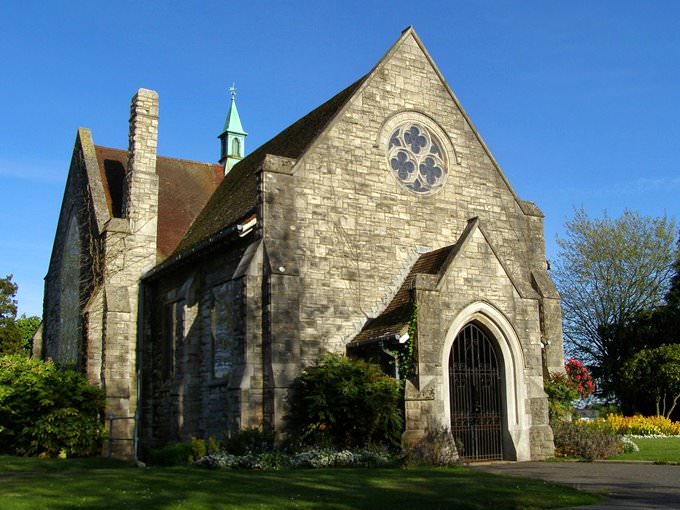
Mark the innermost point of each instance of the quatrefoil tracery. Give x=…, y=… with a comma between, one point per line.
x=416, y=158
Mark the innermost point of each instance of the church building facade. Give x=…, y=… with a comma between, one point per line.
x=196, y=293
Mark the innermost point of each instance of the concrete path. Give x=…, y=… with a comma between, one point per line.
x=629, y=485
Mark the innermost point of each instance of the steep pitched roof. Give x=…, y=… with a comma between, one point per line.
x=237, y=195
x=397, y=315
x=184, y=187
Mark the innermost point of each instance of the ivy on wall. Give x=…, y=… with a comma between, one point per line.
x=405, y=356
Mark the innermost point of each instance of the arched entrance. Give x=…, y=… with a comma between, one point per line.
x=476, y=396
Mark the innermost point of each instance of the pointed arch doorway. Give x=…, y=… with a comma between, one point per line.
x=476, y=394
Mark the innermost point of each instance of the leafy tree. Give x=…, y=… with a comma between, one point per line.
x=10, y=334
x=647, y=330
x=609, y=271
x=345, y=403
x=28, y=327
x=655, y=376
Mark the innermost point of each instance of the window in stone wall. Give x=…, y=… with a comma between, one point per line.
x=226, y=327
x=416, y=158
x=173, y=332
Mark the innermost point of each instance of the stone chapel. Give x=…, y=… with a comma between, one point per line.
x=195, y=293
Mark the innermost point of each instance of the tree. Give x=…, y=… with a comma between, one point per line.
x=655, y=376
x=28, y=326
x=10, y=334
x=647, y=330
x=673, y=296
x=609, y=271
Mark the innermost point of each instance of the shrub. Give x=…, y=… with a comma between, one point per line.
x=573, y=440
x=579, y=377
x=45, y=410
x=563, y=389
x=561, y=393
x=251, y=440
x=178, y=454
x=174, y=454
x=437, y=448
x=345, y=403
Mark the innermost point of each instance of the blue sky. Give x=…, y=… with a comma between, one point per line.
x=578, y=101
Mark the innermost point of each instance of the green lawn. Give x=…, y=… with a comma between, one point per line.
x=98, y=483
x=658, y=450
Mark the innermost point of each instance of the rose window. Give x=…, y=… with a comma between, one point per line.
x=416, y=158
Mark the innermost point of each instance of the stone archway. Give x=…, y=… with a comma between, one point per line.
x=514, y=423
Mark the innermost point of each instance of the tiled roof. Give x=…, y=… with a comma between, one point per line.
x=395, y=318
x=236, y=197
x=184, y=188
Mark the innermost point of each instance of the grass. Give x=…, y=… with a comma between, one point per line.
x=654, y=449
x=29, y=483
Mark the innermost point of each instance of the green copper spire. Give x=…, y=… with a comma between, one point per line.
x=233, y=137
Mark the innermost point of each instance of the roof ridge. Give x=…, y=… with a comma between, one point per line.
x=161, y=157
x=290, y=142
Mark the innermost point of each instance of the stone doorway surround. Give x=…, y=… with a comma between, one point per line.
x=515, y=427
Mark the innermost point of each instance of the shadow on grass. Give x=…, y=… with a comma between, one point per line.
x=74, y=484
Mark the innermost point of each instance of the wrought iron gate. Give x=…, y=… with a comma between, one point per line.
x=475, y=384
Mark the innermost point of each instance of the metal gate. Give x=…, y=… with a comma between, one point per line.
x=476, y=408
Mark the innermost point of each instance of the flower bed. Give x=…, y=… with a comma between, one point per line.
x=644, y=426
x=313, y=458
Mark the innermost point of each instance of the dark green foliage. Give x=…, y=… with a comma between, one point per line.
x=673, y=296
x=44, y=410
x=252, y=440
x=572, y=440
x=345, y=403
x=10, y=334
x=178, y=454
x=652, y=376
x=174, y=454
x=406, y=351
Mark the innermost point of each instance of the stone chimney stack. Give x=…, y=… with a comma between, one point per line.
x=141, y=194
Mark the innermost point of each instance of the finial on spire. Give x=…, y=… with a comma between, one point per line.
x=232, y=91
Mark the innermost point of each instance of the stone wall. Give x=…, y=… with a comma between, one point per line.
x=347, y=236
x=73, y=272
x=202, y=357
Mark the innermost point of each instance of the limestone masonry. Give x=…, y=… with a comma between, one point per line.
x=195, y=293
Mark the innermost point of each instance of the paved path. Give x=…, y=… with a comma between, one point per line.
x=628, y=485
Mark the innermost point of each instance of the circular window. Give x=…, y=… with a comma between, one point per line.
x=416, y=158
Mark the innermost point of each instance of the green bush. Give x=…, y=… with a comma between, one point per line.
x=572, y=440
x=182, y=453
x=561, y=395
x=251, y=440
x=345, y=403
x=173, y=454
x=45, y=410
